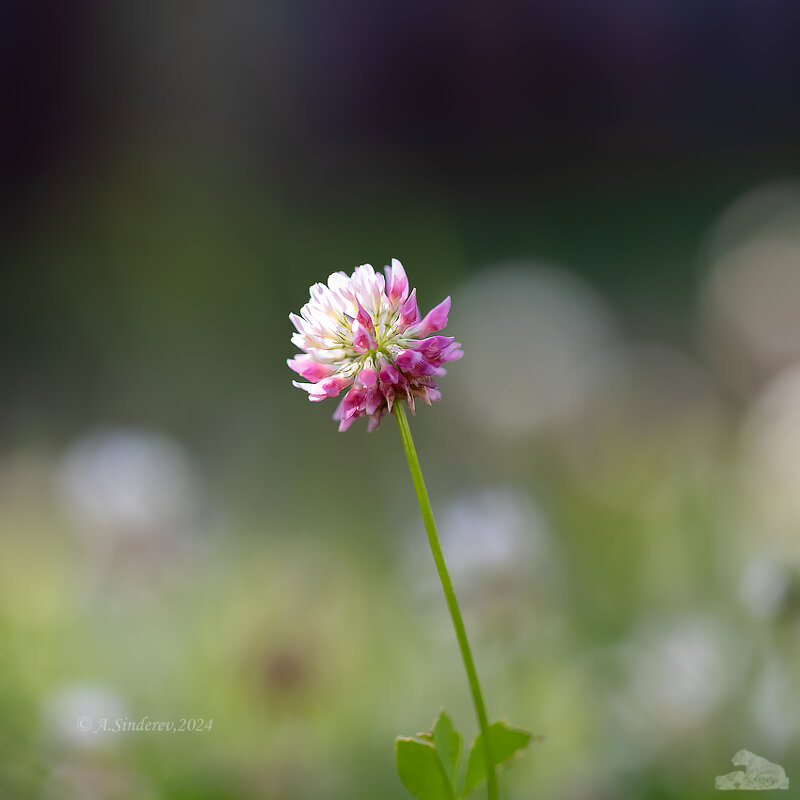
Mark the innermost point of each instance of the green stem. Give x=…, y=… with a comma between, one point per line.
x=449, y=593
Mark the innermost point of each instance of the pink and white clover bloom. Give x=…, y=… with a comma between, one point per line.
x=364, y=333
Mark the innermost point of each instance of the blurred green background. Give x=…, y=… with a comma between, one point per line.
x=608, y=191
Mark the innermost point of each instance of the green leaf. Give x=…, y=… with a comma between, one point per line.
x=421, y=770
x=505, y=743
x=447, y=741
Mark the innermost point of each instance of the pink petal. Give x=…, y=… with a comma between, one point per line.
x=373, y=400
x=362, y=339
x=319, y=391
x=329, y=387
x=408, y=359
x=396, y=283
x=413, y=362
x=366, y=378
x=435, y=319
x=364, y=318
x=403, y=387
x=346, y=423
x=311, y=370
x=431, y=348
x=426, y=368
x=353, y=404
x=389, y=374
x=439, y=349
x=387, y=391
x=452, y=353
x=374, y=422
x=339, y=410
x=409, y=313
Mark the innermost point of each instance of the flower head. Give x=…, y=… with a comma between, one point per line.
x=364, y=333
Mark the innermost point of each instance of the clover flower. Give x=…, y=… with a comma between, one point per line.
x=365, y=333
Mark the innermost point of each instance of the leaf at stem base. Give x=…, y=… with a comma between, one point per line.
x=421, y=770
x=505, y=742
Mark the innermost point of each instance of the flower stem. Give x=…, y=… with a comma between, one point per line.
x=449, y=593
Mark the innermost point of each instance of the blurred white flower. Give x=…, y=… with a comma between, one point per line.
x=124, y=481
x=500, y=555
x=763, y=586
x=136, y=501
x=533, y=333
x=752, y=294
x=775, y=702
x=676, y=674
x=85, y=780
x=74, y=713
x=491, y=533
x=771, y=443
x=768, y=210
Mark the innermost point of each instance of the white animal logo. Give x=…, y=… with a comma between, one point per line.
x=759, y=774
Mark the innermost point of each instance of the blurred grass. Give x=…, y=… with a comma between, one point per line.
x=310, y=651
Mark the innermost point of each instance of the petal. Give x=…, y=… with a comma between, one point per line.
x=374, y=421
x=305, y=366
x=452, y=353
x=387, y=391
x=409, y=313
x=333, y=385
x=354, y=403
x=338, y=281
x=366, y=378
x=346, y=423
x=315, y=394
x=339, y=410
x=329, y=387
x=389, y=374
x=362, y=338
x=408, y=359
x=396, y=283
x=298, y=322
x=403, y=389
x=435, y=319
x=364, y=318
x=432, y=347
x=373, y=400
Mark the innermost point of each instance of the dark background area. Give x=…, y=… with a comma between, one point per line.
x=211, y=161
